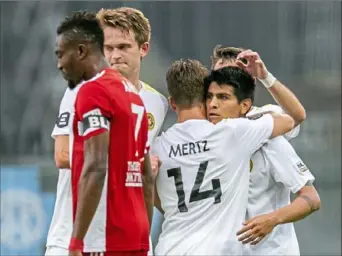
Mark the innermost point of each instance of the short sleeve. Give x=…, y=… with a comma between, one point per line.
x=255, y=111
x=252, y=134
x=62, y=125
x=286, y=166
x=94, y=109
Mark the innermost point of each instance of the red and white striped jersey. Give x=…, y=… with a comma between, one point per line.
x=106, y=103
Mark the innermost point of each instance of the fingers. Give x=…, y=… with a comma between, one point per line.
x=155, y=163
x=257, y=240
x=249, y=55
x=245, y=229
x=240, y=64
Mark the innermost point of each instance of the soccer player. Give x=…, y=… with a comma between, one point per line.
x=111, y=171
x=155, y=104
x=276, y=169
x=202, y=185
x=61, y=224
x=127, y=35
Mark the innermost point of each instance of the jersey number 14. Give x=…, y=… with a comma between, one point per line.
x=195, y=195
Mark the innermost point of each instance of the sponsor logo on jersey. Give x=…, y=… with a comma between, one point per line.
x=301, y=167
x=151, y=121
x=133, y=174
x=63, y=120
x=92, y=121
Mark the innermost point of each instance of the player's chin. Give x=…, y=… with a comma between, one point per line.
x=214, y=119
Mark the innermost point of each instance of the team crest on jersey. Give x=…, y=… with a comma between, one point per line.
x=301, y=167
x=151, y=121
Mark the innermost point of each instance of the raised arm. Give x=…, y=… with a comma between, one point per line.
x=280, y=93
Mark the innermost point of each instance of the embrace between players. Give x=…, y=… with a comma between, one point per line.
x=221, y=176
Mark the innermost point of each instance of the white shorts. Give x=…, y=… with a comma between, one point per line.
x=56, y=251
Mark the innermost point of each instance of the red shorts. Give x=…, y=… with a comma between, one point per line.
x=123, y=253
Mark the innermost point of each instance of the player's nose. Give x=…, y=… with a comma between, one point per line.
x=59, y=66
x=213, y=103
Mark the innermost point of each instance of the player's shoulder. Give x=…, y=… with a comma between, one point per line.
x=153, y=92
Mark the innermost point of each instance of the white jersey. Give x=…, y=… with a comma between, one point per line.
x=61, y=225
x=203, y=183
x=276, y=171
x=156, y=107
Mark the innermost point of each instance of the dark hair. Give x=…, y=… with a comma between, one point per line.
x=185, y=82
x=82, y=26
x=225, y=53
x=243, y=83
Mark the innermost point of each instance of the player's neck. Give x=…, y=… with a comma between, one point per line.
x=94, y=68
x=136, y=82
x=193, y=113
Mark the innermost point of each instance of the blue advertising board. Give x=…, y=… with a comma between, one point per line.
x=26, y=211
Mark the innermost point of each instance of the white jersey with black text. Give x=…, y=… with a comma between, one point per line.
x=203, y=183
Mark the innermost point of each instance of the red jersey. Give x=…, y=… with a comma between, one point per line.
x=106, y=103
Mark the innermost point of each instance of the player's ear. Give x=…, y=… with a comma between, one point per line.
x=172, y=103
x=82, y=51
x=245, y=104
x=144, y=49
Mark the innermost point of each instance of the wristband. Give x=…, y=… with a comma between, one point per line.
x=75, y=244
x=268, y=82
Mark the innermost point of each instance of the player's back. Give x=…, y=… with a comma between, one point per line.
x=120, y=222
x=203, y=187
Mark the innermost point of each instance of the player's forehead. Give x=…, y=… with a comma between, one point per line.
x=222, y=63
x=116, y=36
x=215, y=88
x=61, y=43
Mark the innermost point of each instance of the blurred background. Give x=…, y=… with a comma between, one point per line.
x=300, y=42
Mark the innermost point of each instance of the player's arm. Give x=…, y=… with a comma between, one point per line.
x=281, y=94
x=252, y=134
x=282, y=123
x=157, y=202
x=93, y=108
x=287, y=168
x=91, y=182
x=148, y=179
x=61, y=130
x=287, y=101
x=62, y=151
x=306, y=202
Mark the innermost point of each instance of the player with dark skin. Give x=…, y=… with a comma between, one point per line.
x=79, y=51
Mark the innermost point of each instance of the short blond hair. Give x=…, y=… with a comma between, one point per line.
x=185, y=82
x=127, y=19
x=225, y=53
